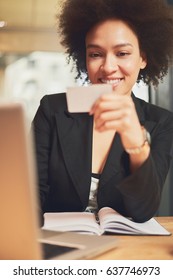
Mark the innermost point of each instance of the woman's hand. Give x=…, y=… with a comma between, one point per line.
x=115, y=112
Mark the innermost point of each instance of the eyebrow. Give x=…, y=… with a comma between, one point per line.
x=89, y=46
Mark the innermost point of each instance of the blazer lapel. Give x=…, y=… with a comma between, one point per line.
x=149, y=125
x=75, y=135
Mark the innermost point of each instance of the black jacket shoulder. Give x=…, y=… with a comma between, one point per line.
x=151, y=112
x=56, y=101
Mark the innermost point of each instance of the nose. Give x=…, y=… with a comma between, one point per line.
x=109, y=64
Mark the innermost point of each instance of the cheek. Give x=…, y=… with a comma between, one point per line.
x=131, y=68
x=92, y=68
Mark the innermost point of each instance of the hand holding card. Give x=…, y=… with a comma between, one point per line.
x=81, y=99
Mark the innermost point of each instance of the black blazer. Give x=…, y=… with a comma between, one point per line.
x=63, y=143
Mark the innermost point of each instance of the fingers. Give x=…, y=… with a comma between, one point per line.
x=113, y=112
x=104, y=102
x=118, y=113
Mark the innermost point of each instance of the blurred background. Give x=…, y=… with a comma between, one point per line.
x=33, y=63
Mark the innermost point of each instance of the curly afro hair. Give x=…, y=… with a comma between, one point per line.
x=151, y=20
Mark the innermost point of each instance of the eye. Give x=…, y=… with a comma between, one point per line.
x=123, y=54
x=94, y=55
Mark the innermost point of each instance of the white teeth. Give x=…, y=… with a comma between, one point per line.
x=112, y=82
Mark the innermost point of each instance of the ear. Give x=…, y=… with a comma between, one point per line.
x=143, y=60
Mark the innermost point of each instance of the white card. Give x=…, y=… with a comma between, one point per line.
x=81, y=99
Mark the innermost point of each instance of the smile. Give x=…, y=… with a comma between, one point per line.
x=111, y=81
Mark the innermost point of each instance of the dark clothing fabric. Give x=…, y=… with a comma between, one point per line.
x=63, y=143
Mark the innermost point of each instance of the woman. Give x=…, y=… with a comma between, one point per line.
x=105, y=158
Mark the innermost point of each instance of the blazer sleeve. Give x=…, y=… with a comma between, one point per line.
x=142, y=190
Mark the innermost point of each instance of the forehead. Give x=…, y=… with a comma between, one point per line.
x=112, y=29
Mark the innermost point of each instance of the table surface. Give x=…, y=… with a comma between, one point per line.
x=143, y=247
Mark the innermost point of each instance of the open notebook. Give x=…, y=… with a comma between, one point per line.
x=20, y=236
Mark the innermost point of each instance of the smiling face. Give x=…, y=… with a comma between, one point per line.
x=113, y=55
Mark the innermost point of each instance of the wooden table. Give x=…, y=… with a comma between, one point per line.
x=143, y=247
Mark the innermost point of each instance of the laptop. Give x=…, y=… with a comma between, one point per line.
x=20, y=235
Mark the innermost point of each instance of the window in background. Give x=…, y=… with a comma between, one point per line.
x=30, y=77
